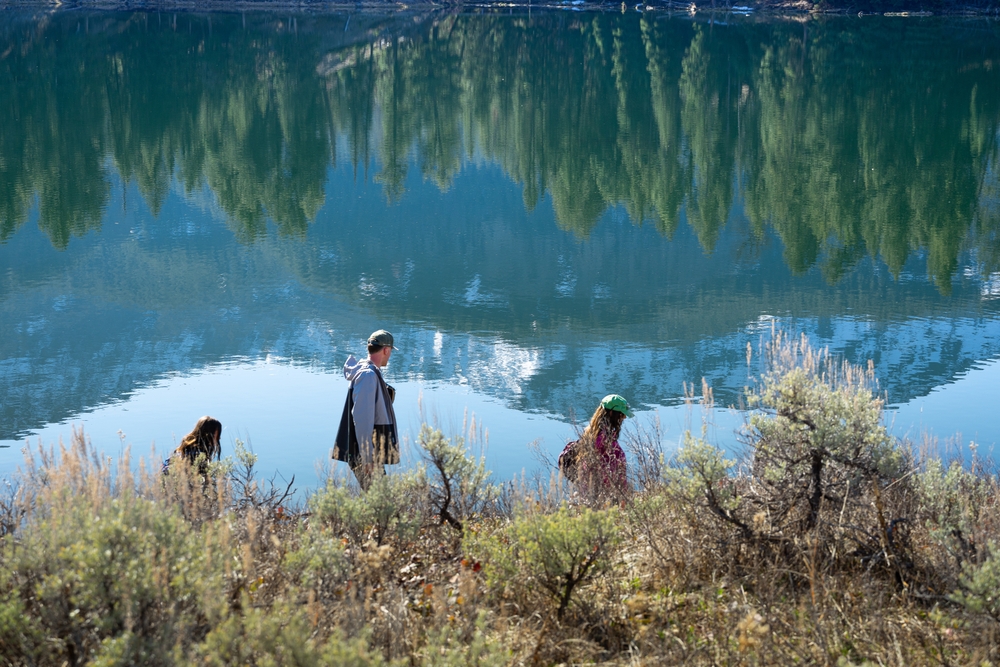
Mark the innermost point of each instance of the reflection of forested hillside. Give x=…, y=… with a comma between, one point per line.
x=543, y=206
x=539, y=325
x=222, y=100
x=847, y=139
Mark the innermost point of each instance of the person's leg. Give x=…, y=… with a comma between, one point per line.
x=366, y=474
x=362, y=473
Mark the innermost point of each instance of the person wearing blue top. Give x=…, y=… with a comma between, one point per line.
x=367, y=439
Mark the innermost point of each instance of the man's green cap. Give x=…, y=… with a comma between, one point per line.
x=383, y=338
x=616, y=403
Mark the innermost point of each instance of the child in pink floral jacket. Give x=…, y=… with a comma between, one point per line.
x=601, y=463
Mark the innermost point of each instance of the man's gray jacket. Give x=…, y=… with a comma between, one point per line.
x=372, y=407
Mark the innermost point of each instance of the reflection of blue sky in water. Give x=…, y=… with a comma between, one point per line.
x=252, y=400
x=514, y=319
x=962, y=411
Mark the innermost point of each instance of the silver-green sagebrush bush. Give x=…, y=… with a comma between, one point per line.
x=319, y=562
x=130, y=578
x=820, y=463
x=281, y=635
x=450, y=647
x=701, y=471
x=556, y=553
x=954, y=502
x=979, y=584
x=390, y=509
x=459, y=484
x=816, y=434
x=958, y=504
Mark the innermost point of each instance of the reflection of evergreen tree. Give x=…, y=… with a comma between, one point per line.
x=420, y=96
x=845, y=143
x=162, y=102
x=707, y=118
x=399, y=122
x=435, y=84
x=266, y=141
x=51, y=137
x=666, y=175
x=350, y=98
x=856, y=154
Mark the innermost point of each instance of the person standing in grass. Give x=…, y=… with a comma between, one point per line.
x=367, y=439
x=601, y=473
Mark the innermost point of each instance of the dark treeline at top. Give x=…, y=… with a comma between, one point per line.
x=846, y=138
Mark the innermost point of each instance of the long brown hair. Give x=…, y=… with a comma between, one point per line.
x=608, y=422
x=202, y=440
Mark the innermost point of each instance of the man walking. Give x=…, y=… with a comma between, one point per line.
x=367, y=438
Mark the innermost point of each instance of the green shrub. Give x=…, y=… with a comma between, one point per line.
x=275, y=637
x=815, y=434
x=557, y=552
x=391, y=508
x=447, y=647
x=979, y=585
x=699, y=473
x=824, y=482
x=953, y=501
x=318, y=560
x=459, y=483
x=127, y=580
x=353, y=652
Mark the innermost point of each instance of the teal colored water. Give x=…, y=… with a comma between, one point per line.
x=205, y=214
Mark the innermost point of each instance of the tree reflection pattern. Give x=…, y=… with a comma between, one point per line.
x=846, y=139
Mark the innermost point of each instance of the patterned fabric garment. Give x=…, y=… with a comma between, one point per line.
x=608, y=476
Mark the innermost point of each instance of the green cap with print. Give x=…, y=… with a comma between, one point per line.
x=616, y=403
x=381, y=337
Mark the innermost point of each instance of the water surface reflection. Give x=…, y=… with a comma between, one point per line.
x=544, y=209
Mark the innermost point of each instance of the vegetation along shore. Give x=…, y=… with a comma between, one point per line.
x=829, y=543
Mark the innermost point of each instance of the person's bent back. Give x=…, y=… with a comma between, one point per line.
x=200, y=446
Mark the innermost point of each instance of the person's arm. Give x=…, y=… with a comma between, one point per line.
x=618, y=471
x=365, y=388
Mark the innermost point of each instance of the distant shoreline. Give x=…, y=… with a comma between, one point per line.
x=769, y=8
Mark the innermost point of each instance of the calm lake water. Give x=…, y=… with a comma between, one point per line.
x=205, y=214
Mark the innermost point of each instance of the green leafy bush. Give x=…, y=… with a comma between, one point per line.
x=954, y=502
x=816, y=435
x=449, y=647
x=390, y=509
x=127, y=579
x=557, y=552
x=459, y=484
x=318, y=561
x=279, y=636
x=823, y=483
x=979, y=585
x=700, y=472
